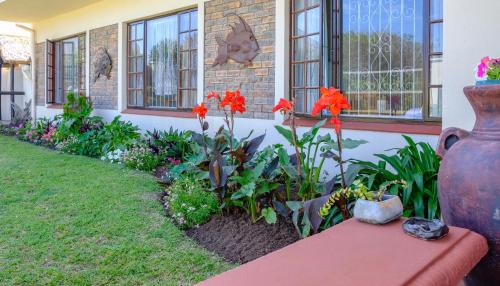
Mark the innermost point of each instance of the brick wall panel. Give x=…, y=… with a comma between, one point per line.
x=40, y=74
x=104, y=92
x=257, y=81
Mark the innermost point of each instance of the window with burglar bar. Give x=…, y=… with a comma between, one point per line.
x=162, y=62
x=385, y=55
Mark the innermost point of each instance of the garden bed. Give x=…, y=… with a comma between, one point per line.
x=260, y=190
x=237, y=240
x=233, y=237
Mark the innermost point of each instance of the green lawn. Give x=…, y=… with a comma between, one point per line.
x=69, y=220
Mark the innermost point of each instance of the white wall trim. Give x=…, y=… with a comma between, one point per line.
x=87, y=63
x=281, y=56
x=45, y=74
x=200, y=89
x=122, y=68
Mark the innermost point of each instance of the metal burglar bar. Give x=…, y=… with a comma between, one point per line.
x=384, y=55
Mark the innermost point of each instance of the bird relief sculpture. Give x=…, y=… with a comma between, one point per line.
x=102, y=64
x=240, y=45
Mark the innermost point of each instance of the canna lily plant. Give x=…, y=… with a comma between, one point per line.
x=308, y=171
x=230, y=104
x=201, y=112
x=333, y=101
x=236, y=177
x=287, y=108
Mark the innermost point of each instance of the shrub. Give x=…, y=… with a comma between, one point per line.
x=76, y=117
x=118, y=135
x=142, y=158
x=188, y=202
x=173, y=144
x=41, y=133
x=10, y=130
x=113, y=157
x=87, y=144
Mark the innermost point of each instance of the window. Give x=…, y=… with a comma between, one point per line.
x=65, y=68
x=385, y=56
x=11, y=88
x=162, y=61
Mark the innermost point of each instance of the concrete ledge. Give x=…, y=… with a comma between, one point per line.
x=354, y=253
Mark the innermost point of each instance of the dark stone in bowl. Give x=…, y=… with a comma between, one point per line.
x=425, y=229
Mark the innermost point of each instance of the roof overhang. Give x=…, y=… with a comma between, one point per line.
x=30, y=11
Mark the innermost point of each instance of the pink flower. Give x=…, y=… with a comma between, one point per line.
x=485, y=60
x=174, y=161
x=483, y=66
x=48, y=136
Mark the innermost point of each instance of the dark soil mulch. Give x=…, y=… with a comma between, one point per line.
x=160, y=171
x=236, y=239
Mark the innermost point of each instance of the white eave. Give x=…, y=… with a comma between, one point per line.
x=31, y=11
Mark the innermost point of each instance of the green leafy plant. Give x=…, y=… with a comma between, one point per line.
x=189, y=203
x=118, y=135
x=88, y=144
x=173, y=143
x=417, y=164
x=314, y=150
x=251, y=184
x=75, y=118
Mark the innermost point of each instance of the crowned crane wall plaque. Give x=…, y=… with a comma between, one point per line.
x=240, y=44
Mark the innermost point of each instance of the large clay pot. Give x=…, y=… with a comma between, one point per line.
x=469, y=178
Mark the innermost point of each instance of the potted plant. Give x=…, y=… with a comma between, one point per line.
x=488, y=71
x=380, y=208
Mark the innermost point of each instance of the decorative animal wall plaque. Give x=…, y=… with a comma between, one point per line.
x=240, y=45
x=102, y=64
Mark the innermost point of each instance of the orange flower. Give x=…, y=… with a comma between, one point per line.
x=332, y=100
x=213, y=94
x=201, y=110
x=235, y=100
x=283, y=106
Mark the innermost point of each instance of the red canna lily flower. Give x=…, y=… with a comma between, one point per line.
x=334, y=101
x=201, y=110
x=235, y=100
x=213, y=94
x=283, y=106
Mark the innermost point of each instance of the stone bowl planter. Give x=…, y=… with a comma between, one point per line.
x=379, y=212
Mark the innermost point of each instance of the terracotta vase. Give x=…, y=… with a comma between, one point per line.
x=469, y=178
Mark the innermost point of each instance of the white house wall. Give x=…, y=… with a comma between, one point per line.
x=123, y=11
x=470, y=33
